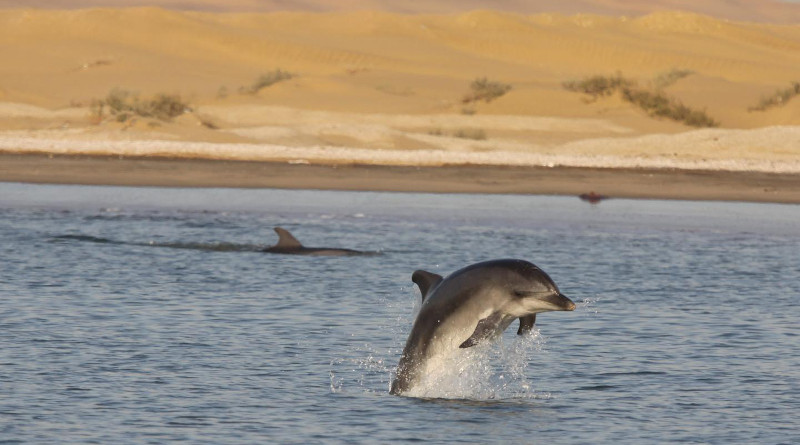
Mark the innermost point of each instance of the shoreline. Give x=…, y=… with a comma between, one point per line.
x=635, y=183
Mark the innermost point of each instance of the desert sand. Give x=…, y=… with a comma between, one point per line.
x=387, y=88
x=770, y=11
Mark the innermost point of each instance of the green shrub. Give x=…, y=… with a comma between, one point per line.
x=655, y=103
x=658, y=104
x=123, y=104
x=486, y=90
x=163, y=107
x=597, y=86
x=470, y=133
x=779, y=98
x=668, y=78
x=266, y=80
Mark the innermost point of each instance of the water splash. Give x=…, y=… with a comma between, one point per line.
x=368, y=372
x=491, y=371
x=587, y=305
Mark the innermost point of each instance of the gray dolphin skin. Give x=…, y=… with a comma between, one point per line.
x=288, y=245
x=470, y=306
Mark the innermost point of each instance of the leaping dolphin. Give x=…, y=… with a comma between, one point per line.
x=288, y=244
x=470, y=306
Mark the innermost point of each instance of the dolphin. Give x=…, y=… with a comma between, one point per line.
x=288, y=244
x=470, y=306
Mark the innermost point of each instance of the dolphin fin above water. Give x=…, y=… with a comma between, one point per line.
x=286, y=239
x=289, y=245
x=426, y=281
x=526, y=324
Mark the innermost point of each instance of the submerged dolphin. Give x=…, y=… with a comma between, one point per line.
x=471, y=305
x=288, y=244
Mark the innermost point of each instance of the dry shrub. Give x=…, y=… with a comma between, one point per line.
x=668, y=78
x=124, y=104
x=779, y=98
x=483, y=89
x=658, y=104
x=266, y=80
x=470, y=133
x=654, y=102
x=597, y=86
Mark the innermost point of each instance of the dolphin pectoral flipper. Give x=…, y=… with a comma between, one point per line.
x=484, y=330
x=286, y=239
x=426, y=281
x=526, y=324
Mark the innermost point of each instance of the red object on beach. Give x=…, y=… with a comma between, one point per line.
x=592, y=197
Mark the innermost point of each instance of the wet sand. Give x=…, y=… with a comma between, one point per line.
x=619, y=183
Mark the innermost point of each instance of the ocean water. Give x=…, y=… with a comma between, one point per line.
x=148, y=315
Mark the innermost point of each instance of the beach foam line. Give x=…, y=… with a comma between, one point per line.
x=783, y=139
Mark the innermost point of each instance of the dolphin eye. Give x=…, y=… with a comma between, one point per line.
x=521, y=293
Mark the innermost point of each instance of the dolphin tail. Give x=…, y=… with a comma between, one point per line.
x=526, y=324
x=286, y=239
x=426, y=281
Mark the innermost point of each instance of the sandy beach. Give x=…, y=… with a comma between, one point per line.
x=615, y=183
x=372, y=97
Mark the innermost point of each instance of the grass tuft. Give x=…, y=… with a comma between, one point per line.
x=668, y=78
x=654, y=102
x=658, y=104
x=598, y=86
x=266, y=80
x=123, y=105
x=483, y=89
x=470, y=133
x=477, y=134
x=777, y=99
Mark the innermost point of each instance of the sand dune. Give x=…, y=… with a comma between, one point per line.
x=395, y=82
x=53, y=58
x=741, y=10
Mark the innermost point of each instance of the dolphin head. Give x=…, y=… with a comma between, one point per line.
x=532, y=290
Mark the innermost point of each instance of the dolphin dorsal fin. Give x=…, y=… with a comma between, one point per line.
x=426, y=281
x=286, y=239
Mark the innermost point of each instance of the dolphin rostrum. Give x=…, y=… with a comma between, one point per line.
x=288, y=244
x=470, y=306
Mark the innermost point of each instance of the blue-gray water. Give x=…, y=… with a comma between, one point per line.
x=146, y=315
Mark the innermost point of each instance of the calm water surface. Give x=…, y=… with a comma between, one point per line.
x=147, y=315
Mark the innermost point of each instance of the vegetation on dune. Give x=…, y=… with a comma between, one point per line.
x=658, y=104
x=668, y=78
x=266, y=80
x=483, y=89
x=779, y=98
x=598, y=86
x=653, y=101
x=124, y=105
x=470, y=133
x=477, y=134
